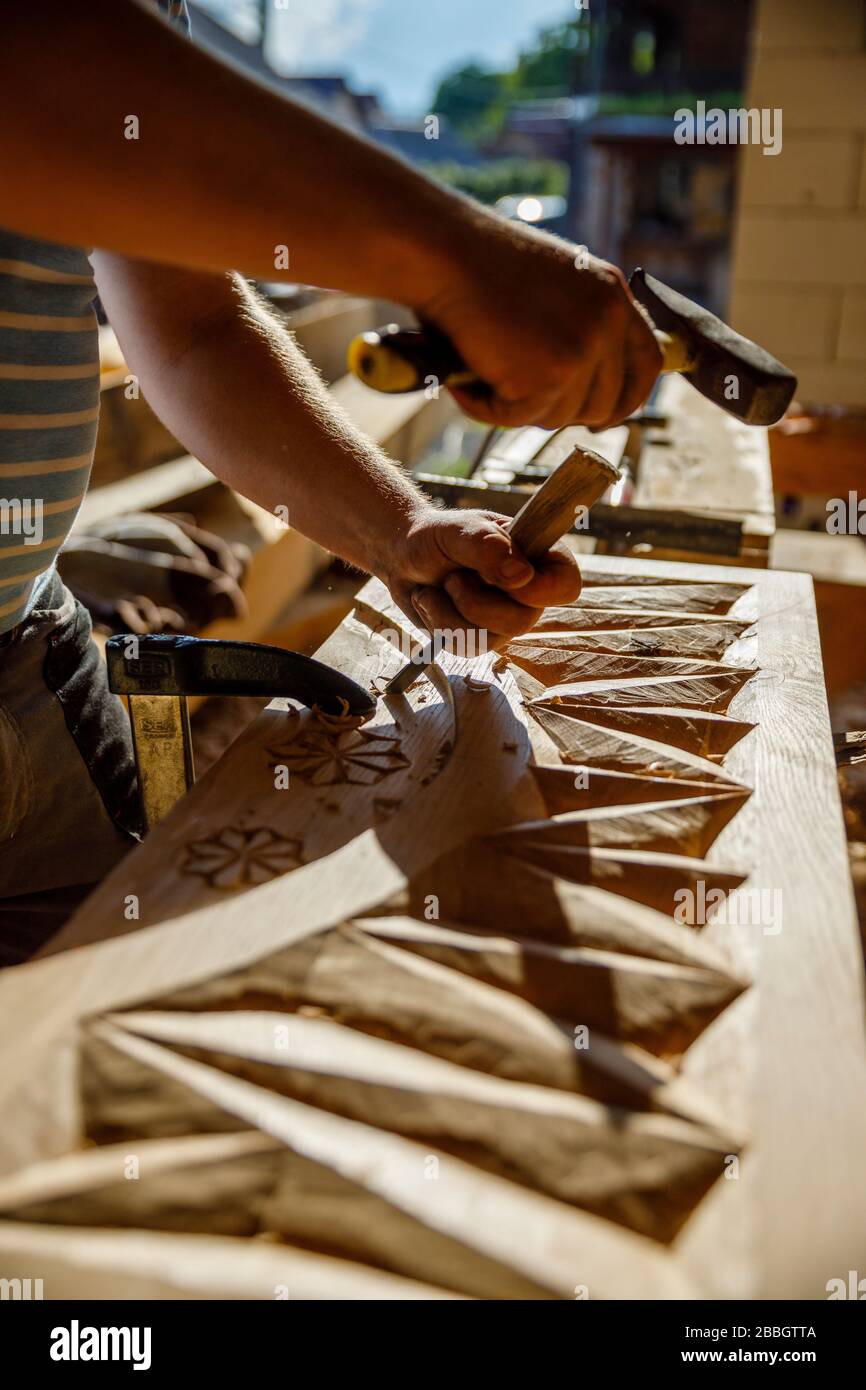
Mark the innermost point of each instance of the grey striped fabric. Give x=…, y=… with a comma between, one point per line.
x=49, y=402
x=49, y=406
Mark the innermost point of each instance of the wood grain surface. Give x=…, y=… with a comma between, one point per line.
x=613, y=1096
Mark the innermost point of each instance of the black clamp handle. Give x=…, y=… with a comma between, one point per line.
x=159, y=664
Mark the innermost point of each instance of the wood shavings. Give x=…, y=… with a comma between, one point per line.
x=338, y=723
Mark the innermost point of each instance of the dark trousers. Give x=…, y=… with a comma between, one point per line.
x=68, y=795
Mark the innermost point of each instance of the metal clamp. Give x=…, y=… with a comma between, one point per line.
x=157, y=673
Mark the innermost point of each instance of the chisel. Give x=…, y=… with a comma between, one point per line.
x=551, y=511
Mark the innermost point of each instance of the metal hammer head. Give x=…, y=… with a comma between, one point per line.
x=724, y=366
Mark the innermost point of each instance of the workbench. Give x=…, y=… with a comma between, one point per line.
x=697, y=483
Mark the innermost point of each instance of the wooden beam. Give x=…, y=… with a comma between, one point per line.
x=815, y=456
x=837, y=565
x=704, y=460
x=151, y=490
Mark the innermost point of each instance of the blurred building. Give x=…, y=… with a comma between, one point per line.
x=411, y=140
x=672, y=45
x=635, y=196
x=668, y=207
x=799, y=268
x=331, y=95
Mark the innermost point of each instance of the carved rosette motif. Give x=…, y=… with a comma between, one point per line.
x=234, y=858
x=327, y=756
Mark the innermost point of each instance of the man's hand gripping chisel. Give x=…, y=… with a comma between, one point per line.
x=549, y=513
x=727, y=368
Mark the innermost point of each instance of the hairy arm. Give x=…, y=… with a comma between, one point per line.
x=229, y=381
x=225, y=172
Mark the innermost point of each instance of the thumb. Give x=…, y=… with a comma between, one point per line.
x=478, y=542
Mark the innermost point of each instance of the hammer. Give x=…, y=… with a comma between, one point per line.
x=158, y=672
x=724, y=366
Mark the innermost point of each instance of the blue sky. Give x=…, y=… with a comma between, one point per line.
x=399, y=47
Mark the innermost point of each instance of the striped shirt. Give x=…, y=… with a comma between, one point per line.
x=49, y=402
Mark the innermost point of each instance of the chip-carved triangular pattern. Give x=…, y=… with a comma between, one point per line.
x=358, y=1094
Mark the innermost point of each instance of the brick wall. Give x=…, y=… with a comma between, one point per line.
x=799, y=251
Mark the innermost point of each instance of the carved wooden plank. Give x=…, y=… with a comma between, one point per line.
x=701, y=732
x=481, y=886
x=576, y=788
x=585, y=617
x=702, y=597
x=592, y=743
x=712, y=693
x=390, y=1217
x=82, y=1263
x=659, y=1005
x=711, y=639
x=390, y=960
x=643, y=1170
x=553, y=666
x=353, y=976
x=688, y=826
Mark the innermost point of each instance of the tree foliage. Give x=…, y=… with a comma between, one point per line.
x=553, y=65
x=475, y=99
x=496, y=179
x=472, y=99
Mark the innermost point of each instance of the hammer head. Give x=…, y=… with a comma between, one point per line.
x=725, y=367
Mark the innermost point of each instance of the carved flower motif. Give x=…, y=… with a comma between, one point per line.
x=326, y=758
x=241, y=858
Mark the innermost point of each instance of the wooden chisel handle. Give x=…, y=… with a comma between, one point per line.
x=551, y=511
x=397, y=360
x=545, y=517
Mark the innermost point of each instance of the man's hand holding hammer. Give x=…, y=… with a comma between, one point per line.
x=557, y=339
x=552, y=331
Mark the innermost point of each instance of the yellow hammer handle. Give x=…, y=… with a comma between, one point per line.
x=676, y=355
x=397, y=360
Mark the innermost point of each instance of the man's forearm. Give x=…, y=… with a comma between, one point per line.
x=222, y=172
x=228, y=380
